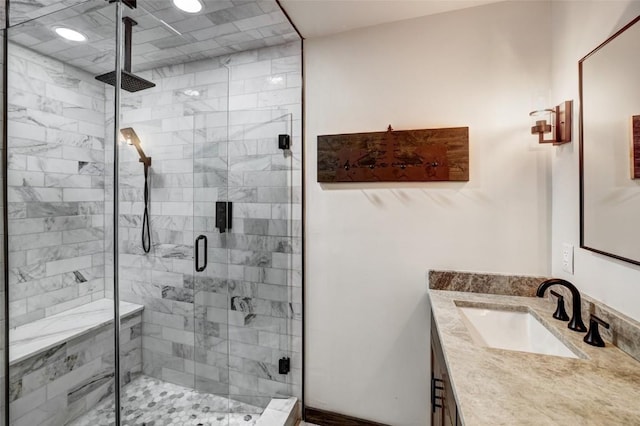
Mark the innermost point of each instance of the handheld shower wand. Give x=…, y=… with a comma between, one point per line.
x=132, y=139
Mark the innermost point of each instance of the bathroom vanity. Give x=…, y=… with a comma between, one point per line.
x=444, y=410
x=480, y=383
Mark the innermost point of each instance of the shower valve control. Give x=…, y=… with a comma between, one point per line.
x=284, y=365
x=223, y=215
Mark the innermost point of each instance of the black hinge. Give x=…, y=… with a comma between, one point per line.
x=284, y=365
x=284, y=141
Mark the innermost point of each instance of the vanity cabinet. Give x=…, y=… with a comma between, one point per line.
x=444, y=411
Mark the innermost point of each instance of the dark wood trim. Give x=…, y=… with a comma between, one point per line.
x=328, y=418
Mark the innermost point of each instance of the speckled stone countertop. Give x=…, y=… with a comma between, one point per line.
x=501, y=387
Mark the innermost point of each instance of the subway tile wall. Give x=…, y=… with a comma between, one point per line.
x=231, y=323
x=55, y=185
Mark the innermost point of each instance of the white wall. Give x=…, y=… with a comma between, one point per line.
x=368, y=246
x=578, y=27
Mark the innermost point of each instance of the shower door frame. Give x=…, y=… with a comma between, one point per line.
x=5, y=210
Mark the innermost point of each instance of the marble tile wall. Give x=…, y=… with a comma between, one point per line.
x=231, y=323
x=64, y=382
x=55, y=186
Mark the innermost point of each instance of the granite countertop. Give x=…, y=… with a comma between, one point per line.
x=501, y=387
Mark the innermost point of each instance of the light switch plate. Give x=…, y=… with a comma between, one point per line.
x=567, y=258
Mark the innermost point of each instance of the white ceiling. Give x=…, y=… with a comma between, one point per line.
x=317, y=18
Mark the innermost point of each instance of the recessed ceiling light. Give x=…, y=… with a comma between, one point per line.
x=69, y=34
x=191, y=92
x=189, y=6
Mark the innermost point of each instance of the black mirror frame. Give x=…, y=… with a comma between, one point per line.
x=581, y=148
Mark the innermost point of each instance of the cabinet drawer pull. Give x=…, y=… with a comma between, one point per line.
x=436, y=385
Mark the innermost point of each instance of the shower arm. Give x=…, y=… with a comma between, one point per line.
x=128, y=30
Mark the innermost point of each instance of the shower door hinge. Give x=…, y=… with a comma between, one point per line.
x=224, y=211
x=284, y=141
x=284, y=365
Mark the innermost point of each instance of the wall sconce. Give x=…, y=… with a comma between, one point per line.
x=556, y=121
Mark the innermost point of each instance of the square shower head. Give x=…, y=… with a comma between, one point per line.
x=129, y=82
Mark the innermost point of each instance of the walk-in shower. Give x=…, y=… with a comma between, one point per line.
x=110, y=319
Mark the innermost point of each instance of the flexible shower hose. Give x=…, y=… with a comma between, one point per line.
x=146, y=236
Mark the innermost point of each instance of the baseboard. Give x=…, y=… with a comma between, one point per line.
x=328, y=418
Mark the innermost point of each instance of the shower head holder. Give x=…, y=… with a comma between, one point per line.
x=131, y=136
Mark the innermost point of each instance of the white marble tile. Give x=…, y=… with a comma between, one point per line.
x=82, y=194
x=35, y=337
x=279, y=97
x=67, y=265
x=272, y=417
x=243, y=102
x=251, y=70
x=53, y=309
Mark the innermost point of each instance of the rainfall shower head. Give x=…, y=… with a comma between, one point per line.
x=132, y=138
x=129, y=81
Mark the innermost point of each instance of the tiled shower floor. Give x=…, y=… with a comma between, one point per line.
x=151, y=402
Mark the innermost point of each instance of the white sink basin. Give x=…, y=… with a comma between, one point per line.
x=512, y=330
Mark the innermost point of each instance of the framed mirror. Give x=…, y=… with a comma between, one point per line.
x=610, y=146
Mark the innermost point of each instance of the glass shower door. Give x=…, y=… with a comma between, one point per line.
x=243, y=297
x=210, y=181
x=260, y=248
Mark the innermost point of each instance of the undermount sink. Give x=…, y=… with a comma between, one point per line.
x=511, y=330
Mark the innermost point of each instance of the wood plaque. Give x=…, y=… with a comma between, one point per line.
x=635, y=147
x=424, y=155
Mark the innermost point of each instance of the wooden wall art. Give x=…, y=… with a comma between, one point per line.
x=635, y=147
x=395, y=156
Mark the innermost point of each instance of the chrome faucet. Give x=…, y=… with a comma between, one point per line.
x=576, y=323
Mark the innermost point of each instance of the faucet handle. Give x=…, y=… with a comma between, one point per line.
x=593, y=336
x=560, y=313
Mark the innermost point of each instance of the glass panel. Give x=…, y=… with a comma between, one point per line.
x=62, y=357
x=3, y=293
x=155, y=279
x=211, y=369
x=259, y=186
x=157, y=254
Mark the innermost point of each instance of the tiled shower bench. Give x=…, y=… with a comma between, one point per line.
x=61, y=366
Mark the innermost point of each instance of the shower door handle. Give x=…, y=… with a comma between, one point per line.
x=204, y=266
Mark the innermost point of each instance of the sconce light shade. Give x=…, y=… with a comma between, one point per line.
x=556, y=121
